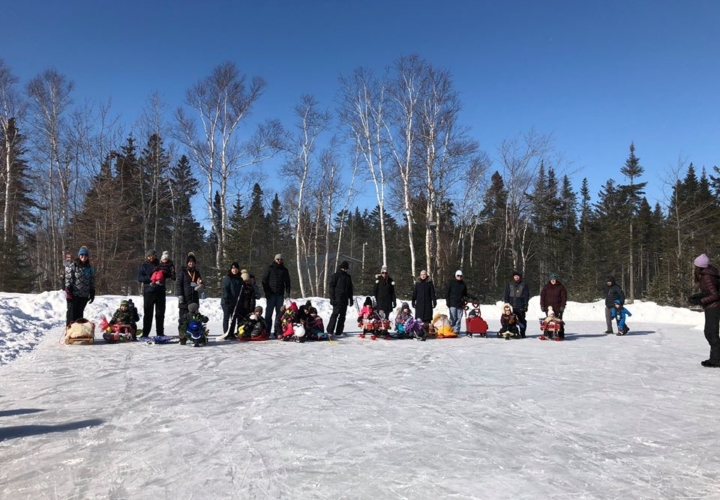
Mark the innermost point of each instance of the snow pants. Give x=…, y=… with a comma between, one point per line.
x=712, y=333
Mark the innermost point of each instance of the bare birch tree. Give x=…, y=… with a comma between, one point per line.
x=222, y=102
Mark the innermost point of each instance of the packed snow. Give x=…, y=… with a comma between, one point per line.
x=594, y=417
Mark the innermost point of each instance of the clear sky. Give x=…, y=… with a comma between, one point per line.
x=597, y=75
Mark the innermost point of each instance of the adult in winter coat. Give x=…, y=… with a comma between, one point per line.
x=79, y=285
x=276, y=286
x=189, y=281
x=611, y=292
x=153, y=280
x=424, y=299
x=554, y=295
x=706, y=276
x=384, y=292
x=456, y=293
x=341, y=296
x=517, y=295
x=231, y=287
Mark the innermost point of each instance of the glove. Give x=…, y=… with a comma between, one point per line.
x=181, y=300
x=561, y=310
x=394, y=305
x=413, y=305
x=92, y=296
x=696, y=299
x=68, y=295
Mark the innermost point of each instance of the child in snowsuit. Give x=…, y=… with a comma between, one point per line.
x=167, y=266
x=366, y=308
x=125, y=316
x=621, y=315
x=508, y=323
x=314, y=326
x=474, y=312
x=254, y=325
x=190, y=319
x=402, y=317
x=552, y=325
x=289, y=318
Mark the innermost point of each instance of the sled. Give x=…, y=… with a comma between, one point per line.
x=80, y=331
x=161, y=339
x=550, y=331
x=476, y=326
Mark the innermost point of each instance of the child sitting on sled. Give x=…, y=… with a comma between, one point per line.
x=193, y=326
x=253, y=328
x=474, y=323
x=621, y=315
x=289, y=318
x=508, y=323
x=123, y=324
x=401, y=318
x=369, y=320
x=551, y=326
x=314, y=327
x=367, y=308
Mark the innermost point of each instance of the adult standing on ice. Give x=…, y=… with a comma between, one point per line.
x=517, y=295
x=611, y=292
x=424, y=299
x=79, y=285
x=341, y=296
x=189, y=281
x=276, y=285
x=554, y=294
x=384, y=292
x=153, y=280
x=706, y=276
x=456, y=293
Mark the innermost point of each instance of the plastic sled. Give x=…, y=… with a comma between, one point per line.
x=476, y=326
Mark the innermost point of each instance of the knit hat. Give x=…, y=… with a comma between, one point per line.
x=552, y=276
x=193, y=307
x=165, y=255
x=236, y=266
x=383, y=269
x=278, y=256
x=124, y=303
x=423, y=271
x=258, y=310
x=312, y=310
x=458, y=273
x=151, y=251
x=517, y=273
x=344, y=265
x=245, y=277
x=190, y=257
x=702, y=261
x=84, y=251
x=550, y=311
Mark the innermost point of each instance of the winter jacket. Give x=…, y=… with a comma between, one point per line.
x=341, y=288
x=125, y=317
x=246, y=304
x=613, y=293
x=424, y=299
x=315, y=323
x=517, y=295
x=709, y=287
x=456, y=292
x=402, y=317
x=168, y=269
x=231, y=286
x=276, y=280
x=185, y=291
x=146, y=271
x=621, y=314
x=554, y=296
x=80, y=279
x=384, y=293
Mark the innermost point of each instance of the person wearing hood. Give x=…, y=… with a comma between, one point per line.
x=79, y=286
x=341, y=296
x=611, y=292
x=517, y=295
x=276, y=286
x=554, y=295
x=706, y=276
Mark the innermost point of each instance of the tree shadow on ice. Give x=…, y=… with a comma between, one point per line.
x=19, y=431
x=19, y=411
x=577, y=336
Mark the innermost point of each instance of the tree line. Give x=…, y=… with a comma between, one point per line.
x=72, y=176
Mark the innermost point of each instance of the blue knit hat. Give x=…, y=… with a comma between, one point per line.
x=83, y=251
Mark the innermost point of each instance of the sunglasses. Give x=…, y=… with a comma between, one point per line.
x=384, y=272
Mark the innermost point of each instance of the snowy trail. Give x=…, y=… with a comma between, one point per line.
x=594, y=417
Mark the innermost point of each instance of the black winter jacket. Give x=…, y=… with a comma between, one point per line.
x=341, y=288
x=517, y=295
x=424, y=299
x=456, y=292
x=276, y=280
x=184, y=288
x=146, y=271
x=613, y=293
x=384, y=293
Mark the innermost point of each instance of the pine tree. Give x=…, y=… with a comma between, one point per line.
x=632, y=193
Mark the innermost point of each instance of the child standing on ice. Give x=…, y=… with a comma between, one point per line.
x=621, y=315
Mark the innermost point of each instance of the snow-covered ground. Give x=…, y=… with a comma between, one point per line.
x=596, y=416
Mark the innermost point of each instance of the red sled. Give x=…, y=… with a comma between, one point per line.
x=476, y=326
x=263, y=336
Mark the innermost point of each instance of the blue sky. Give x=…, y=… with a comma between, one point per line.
x=597, y=75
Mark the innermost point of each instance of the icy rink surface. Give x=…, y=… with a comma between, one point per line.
x=594, y=417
